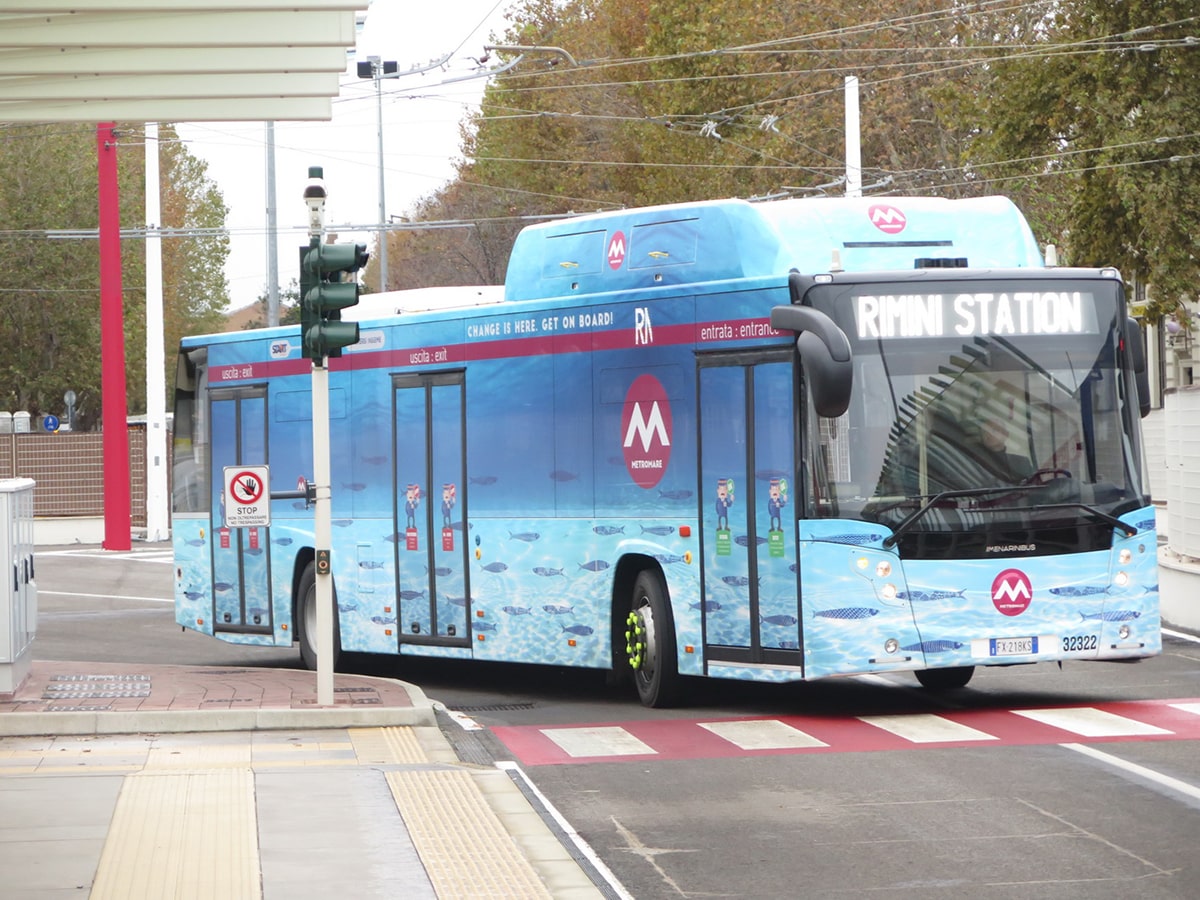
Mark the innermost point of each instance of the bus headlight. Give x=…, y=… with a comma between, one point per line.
x=1123, y=632
x=1121, y=579
x=888, y=591
x=1125, y=557
x=883, y=569
x=891, y=645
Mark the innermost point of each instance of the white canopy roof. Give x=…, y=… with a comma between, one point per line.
x=172, y=60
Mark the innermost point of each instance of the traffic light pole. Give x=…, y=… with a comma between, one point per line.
x=323, y=530
x=325, y=290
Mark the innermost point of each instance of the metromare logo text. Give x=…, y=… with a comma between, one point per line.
x=646, y=431
x=1012, y=592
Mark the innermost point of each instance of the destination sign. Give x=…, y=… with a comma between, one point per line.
x=888, y=316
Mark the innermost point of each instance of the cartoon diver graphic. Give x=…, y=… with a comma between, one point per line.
x=449, y=498
x=412, y=499
x=724, y=501
x=776, y=500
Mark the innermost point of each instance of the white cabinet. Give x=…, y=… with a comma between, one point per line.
x=18, y=599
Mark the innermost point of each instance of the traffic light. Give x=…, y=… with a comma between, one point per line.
x=327, y=286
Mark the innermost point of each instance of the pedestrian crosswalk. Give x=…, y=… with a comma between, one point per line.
x=535, y=745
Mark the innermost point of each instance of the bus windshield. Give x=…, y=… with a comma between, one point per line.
x=998, y=408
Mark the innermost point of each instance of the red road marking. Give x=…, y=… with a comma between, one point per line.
x=685, y=739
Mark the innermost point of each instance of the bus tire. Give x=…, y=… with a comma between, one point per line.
x=945, y=679
x=650, y=642
x=307, y=620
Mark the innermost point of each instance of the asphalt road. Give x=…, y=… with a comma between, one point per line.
x=683, y=803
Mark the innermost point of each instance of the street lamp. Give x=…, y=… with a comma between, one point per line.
x=377, y=68
x=535, y=48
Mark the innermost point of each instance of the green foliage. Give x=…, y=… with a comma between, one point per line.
x=49, y=289
x=666, y=105
x=1102, y=122
x=289, y=308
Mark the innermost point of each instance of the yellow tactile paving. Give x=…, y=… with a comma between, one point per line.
x=465, y=849
x=393, y=744
x=175, y=755
x=184, y=835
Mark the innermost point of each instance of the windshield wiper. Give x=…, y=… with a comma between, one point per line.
x=1095, y=513
x=912, y=518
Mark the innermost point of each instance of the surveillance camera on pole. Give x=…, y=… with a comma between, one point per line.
x=314, y=197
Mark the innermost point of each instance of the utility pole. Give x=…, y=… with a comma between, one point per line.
x=272, y=228
x=378, y=68
x=157, y=528
x=377, y=65
x=853, y=140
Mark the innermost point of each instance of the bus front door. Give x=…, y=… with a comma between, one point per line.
x=431, y=509
x=241, y=565
x=750, y=605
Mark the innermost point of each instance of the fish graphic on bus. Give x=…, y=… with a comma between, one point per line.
x=933, y=646
x=1115, y=615
x=847, y=612
x=929, y=596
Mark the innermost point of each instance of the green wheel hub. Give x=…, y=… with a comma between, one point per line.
x=640, y=644
x=635, y=644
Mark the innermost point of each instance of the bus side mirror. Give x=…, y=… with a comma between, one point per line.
x=1137, y=355
x=825, y=352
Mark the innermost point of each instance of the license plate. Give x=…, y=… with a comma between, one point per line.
x=1018, y=646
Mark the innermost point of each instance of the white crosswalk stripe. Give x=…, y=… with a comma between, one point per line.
x=598, y=741
x=762, y=734
x=1090, y=722
x=927, y=728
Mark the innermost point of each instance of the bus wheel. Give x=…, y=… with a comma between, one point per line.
x=650, y=642
x=945, y=679
x=307, y=620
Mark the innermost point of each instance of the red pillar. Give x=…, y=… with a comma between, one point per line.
x=118, y=521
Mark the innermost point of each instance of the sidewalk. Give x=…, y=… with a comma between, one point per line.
x=170, y=781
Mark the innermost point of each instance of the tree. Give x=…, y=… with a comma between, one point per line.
x=1116, y=90
x=289, y=307
x=664, y=106
x=49, y=289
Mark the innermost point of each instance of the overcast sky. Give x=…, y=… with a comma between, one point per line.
x=420, y=137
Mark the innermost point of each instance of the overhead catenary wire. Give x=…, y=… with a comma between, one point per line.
x=748, y=115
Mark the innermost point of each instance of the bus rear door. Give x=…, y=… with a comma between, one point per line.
x=241, y=578
x=431, y=532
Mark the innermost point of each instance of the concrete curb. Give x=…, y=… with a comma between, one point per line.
x=166, y=721
x=176, y=722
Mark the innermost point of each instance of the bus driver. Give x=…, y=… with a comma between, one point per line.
x=991, y=449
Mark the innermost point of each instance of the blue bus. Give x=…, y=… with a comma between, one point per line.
x=766, y=441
